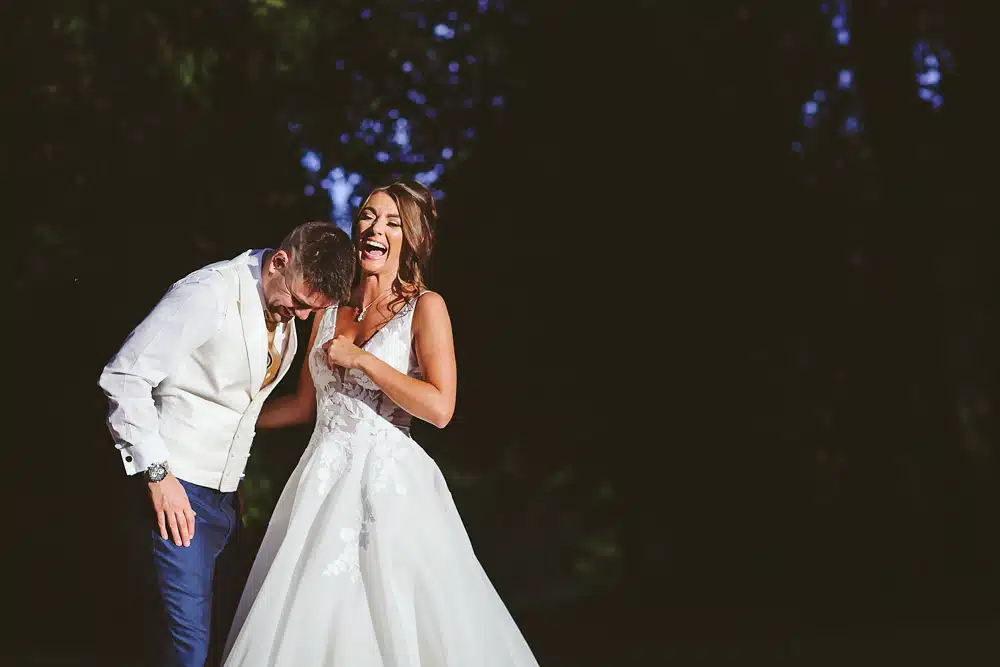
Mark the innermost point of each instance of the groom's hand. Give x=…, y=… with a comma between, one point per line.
x=170, y=502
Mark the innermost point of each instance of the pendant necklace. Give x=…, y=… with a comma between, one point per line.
x=361, y=313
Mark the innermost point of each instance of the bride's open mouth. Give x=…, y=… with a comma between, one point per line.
x=373, y=250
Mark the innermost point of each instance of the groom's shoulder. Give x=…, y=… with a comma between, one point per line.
x=219, y=277
x=231, y=265
x=225, y=269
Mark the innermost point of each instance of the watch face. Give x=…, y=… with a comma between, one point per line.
x=156, y=472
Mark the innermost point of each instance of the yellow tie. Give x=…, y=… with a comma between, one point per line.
x=273, y=360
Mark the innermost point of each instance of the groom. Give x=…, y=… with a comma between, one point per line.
x=185, y=391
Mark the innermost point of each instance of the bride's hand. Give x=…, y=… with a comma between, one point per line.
x=340, y=351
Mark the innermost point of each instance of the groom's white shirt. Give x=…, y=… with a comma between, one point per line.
x=186, y=385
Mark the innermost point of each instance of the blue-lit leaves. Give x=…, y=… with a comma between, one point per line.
x=929, y=78
x=811, y=108
x=372, y=126
x=341, y=186
x=443, y=31
x=369, y=130
x=428, y=177
x=401, y=134
x=311, y=161
x=839, y=23
x=833, y=105
x=419, y=117
x=309, y=190
x=929, y=61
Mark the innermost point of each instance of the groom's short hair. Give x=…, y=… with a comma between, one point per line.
x=324, y=256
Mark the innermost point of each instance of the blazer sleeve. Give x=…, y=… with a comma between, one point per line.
x=188, y=315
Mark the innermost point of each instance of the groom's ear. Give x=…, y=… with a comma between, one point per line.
x=279, y=260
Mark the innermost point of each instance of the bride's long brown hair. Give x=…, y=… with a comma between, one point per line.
x=418, y=215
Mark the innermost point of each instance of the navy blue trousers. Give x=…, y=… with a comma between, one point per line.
x=187, y=578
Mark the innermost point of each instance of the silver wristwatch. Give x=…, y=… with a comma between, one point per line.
x=156, y=472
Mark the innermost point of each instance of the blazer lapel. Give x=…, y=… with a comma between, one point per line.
x=254, y=329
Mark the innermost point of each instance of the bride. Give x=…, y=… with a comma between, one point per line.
x=366, y=561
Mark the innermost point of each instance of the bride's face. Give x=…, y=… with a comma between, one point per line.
x=380, y=235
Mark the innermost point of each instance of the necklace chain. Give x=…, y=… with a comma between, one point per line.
x=361, y=313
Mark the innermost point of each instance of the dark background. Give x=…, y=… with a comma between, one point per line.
x=722, y=398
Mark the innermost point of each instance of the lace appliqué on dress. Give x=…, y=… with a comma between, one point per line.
x=361, y=421
x=355, y=541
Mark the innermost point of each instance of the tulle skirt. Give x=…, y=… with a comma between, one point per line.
x=366, y=562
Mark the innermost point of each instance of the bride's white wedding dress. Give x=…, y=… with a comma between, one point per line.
x=366, y=561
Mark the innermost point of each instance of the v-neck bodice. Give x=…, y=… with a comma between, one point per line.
x=337, y=389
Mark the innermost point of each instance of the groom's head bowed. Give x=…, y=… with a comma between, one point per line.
x=311, y=270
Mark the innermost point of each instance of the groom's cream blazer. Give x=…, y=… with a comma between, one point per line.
x=186, y=385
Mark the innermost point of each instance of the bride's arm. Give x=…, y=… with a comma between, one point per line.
x=297, y=408
x=431, y=399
